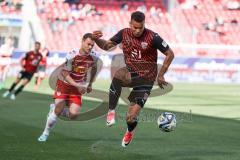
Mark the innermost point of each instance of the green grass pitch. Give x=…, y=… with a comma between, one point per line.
x=210, y=132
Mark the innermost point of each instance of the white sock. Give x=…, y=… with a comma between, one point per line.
x=51, y=121
x=111, y=110
x=65, y=112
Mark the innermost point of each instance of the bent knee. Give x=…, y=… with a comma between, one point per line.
x=57, y=111
x=123, y=75
x=73, y=115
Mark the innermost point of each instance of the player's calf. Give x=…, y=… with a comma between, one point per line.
x=51, y=121
x=111, y=118
x=73, y=115
x=74, y=110
x=131, y=120
x=51, y=109
x=131, y=123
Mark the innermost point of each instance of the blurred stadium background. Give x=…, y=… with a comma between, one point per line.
x=205, y=37
x=203, y=34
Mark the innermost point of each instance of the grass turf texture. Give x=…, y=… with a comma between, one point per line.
x=210, y=133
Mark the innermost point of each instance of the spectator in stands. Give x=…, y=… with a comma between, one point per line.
x=153, y=12
x=5, y=59
x=95, y=11
x=124, y=7
x=233, y=5
x=87, y=9
x=142, y=8
x=75, y=12
x=234, y=22
x=209, y=26
x=214, y=26
x=16, y=4
x=41, y=6
x=219, y=21
x=191, y=4
x=72, y=1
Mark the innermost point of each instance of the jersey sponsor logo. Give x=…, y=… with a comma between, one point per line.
x=164, y=44
x=79, y=69
x=144, y=45
x=35, y=62
x=58, y=93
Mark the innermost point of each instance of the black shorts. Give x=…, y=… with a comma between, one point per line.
x=141, y=89
x=25, y=75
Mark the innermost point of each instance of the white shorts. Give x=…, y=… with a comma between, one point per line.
x=40, y=74
x=5, y=61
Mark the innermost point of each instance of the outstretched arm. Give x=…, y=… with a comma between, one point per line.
x=106, y=44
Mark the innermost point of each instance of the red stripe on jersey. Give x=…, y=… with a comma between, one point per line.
x=139, y=53
x=80, y=66
x=32, y=61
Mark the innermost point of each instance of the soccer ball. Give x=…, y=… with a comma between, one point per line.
x=167, y=121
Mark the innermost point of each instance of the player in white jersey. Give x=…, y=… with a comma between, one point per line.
x=71, y=84
x=5, y=59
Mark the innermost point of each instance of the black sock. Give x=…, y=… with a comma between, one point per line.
x=114, y=93
x=131, y=125
x=12, y=87
x=19, y=90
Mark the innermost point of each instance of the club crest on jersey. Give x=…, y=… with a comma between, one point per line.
x=144, y=45
x=128, y=41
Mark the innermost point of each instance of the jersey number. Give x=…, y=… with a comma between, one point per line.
x=136, y=54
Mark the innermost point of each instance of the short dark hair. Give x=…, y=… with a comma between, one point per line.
x=37, y=42
x=87, y=35
x=138, y=16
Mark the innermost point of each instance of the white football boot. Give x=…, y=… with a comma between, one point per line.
x=5, y=94
x=12, y=97
x=43, y=138
x=111, y=118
